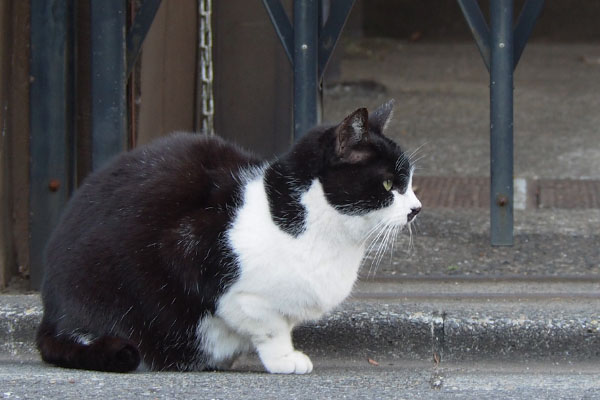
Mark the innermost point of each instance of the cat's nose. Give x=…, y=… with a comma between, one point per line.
x=413, y=213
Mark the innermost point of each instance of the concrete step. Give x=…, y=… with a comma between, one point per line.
x=416, y=318
x=464, y=319
x=472, y=288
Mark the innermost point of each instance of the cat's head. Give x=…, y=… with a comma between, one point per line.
x=365, y=173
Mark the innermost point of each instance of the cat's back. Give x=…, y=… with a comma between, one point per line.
x=172, y=169
x=181, y=162
x=146, y=191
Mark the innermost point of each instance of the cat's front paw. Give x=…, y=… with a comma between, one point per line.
x=292, y=363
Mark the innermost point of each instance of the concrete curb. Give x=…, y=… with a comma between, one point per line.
x=363, y=329
x=456, y=332
x=19, y=318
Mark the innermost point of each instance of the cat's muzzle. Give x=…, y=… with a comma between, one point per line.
x=413, y=214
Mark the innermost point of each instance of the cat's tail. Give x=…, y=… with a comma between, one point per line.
x=106, y=353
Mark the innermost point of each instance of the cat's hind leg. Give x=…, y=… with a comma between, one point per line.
x=80, y=351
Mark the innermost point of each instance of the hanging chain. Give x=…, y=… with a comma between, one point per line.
x=205, y=109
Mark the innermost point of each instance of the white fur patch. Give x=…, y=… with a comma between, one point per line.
x=284, y=280
x=219, y=341
x=82, y=338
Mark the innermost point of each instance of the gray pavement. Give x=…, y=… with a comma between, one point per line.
x=446, y=315
x=332, y=379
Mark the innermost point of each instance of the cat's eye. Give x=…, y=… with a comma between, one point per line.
x=387, y=184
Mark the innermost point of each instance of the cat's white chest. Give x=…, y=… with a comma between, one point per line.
x=306, y=275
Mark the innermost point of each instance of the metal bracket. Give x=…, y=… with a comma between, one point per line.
x=283, y=26
x=330, y=32
x=523, y=28
x=138, y=31
x=113, y=58
x=308, y=46
x=501, y=47
x=529, y=14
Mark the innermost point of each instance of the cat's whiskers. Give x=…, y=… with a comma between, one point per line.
x=376, y=240
x=381, y=238
x=381, y=244
x=416, y=225
x=374, y=243
x=396, y=230
x=411, y=156
x=372, y=231
x=391, y=244
x=379, y=230
x=388, y=242
x=410, y=237
x=411, y=243
x=382, y=241
x=414, y=157
x=416, y=160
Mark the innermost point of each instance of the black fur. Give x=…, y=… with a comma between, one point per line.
x=284, y=188
x=116, y=265
x=139, y=255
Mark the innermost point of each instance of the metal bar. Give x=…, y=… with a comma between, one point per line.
x=283, y=26
x=138, y=31
x=109, y=136
x=306, y=48
x=478, y=27
x=330, y=33
x=49, y=162
x=525, y=23
x=501, y=124
x=72, y=100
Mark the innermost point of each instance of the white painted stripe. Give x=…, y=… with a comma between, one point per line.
x=520, y=194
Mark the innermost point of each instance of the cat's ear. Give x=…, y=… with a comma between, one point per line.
x=352, y=131
x=381, y=117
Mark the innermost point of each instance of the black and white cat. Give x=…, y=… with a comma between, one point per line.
x=186, y=253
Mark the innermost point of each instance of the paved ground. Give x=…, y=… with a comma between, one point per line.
x=339, y=379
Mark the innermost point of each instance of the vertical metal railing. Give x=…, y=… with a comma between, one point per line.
x=109, y=128
x=306, y=50
x=501, y=46
x=501, y=121
x=50, y=102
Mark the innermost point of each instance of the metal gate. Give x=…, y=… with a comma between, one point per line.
x=308, y=44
